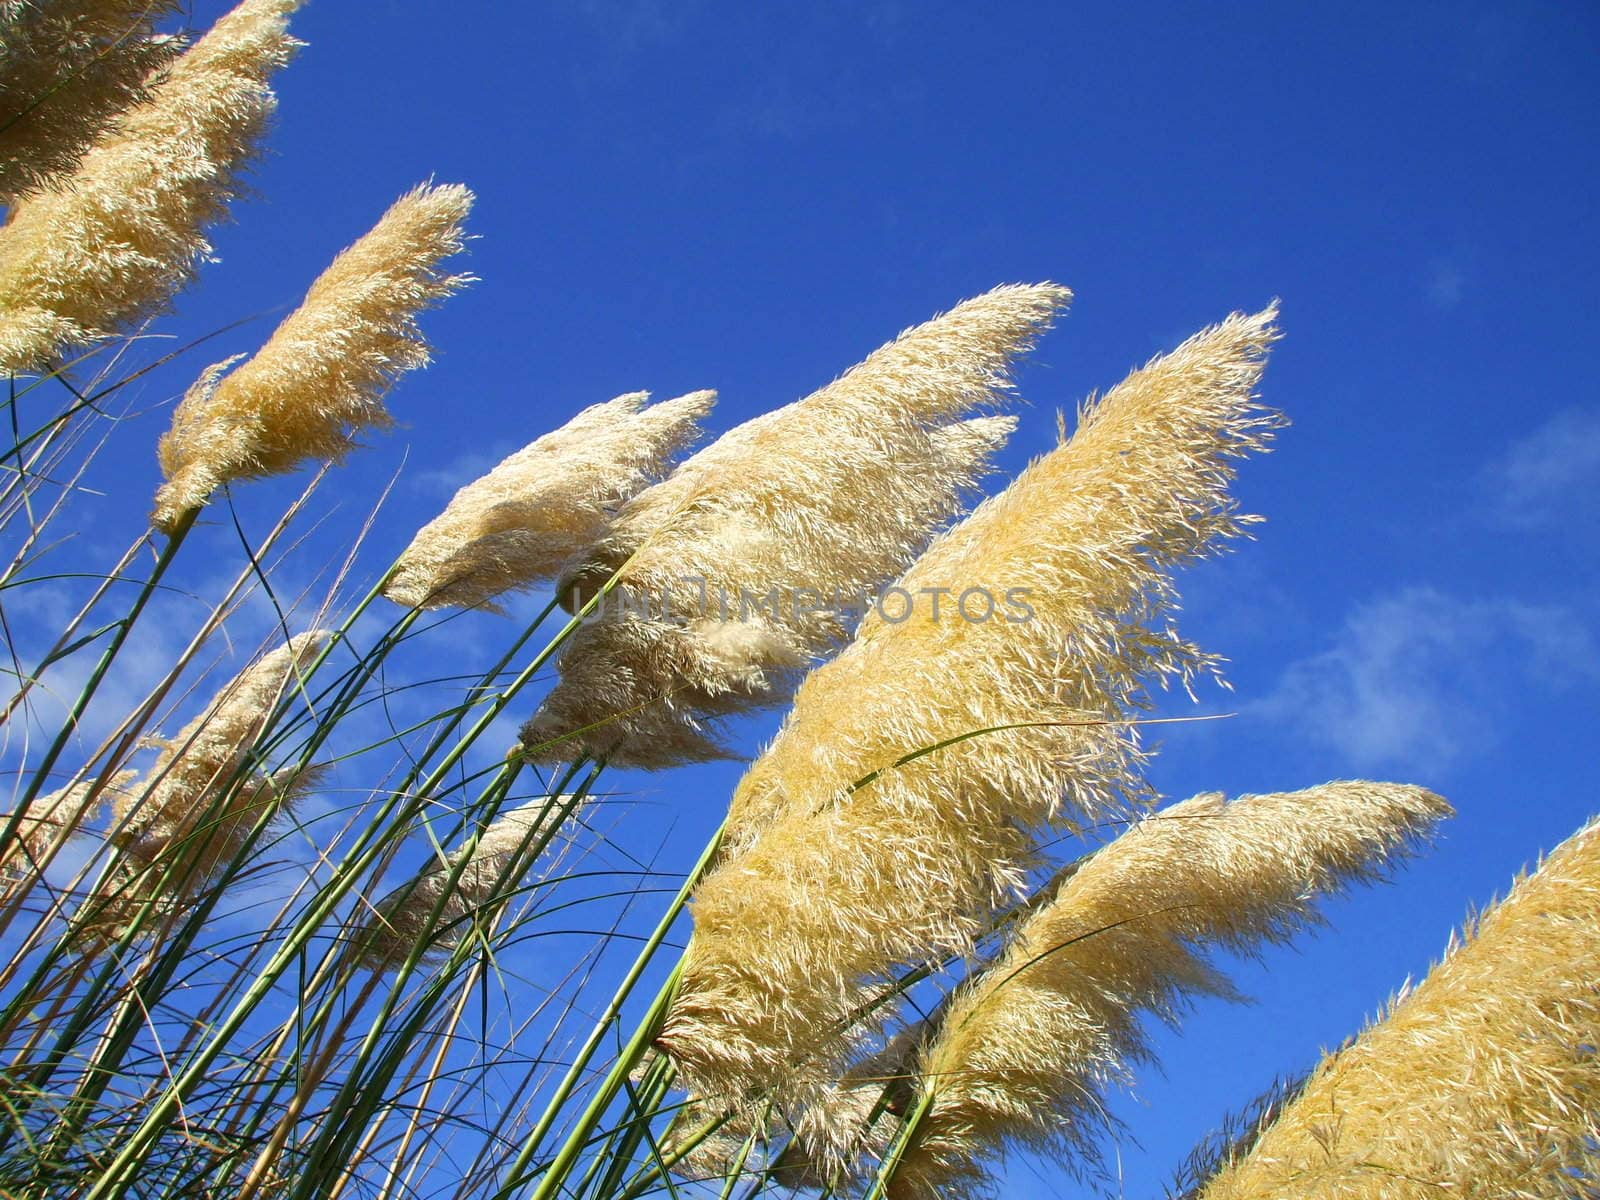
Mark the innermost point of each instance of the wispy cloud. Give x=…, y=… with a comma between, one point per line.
x=443, y=480
x=1420, y=679
x=1552, y=473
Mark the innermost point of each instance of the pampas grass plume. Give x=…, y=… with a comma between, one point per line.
x=203, y=794
x=118, y=237
x=402, y=921
x=67, y=69
x=1482, y=1080
x=323, y=375
x=1024, y=1054
x=67, y=809
x=550, y=500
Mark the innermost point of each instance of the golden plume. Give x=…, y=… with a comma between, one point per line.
x=1482, y=1080
x=50, y=818
x=119, y=236
x=550, y=500
x=1025, y=1053
x=67, y=69
x=324, y=373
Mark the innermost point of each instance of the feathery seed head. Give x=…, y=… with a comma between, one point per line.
x=67, y=69
x=828, y=497
x=405, y=917
x=323, y=375
x=123, y=233
x=845, y=858
x=550, y=500
x=1025, y=1052
x=204, y=793
x=48, y=816
x=1482, y=1080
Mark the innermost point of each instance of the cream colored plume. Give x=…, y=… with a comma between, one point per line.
x=1483, y=1080
x=846, y=857
x=323, y=375
x=49, y=817
x=124, y=232
x=405, y=918
x=1025, y=1054
x=739, y=564
x=67, y=69
x=550, y=500
x=204, y=793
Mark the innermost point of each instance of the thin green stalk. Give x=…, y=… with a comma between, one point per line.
x=177, y=873
x=337, y=966
x=904, y=1140
x=736, y=1170
x=645, y=1105
x=559, y=1167
x=69, y=725
x=117, y=1176
x=331, y=1142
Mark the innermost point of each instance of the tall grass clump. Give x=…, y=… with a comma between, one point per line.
x=284, y=918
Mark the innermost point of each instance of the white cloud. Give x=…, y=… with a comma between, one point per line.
x=1552, y=473
x=1420, y=679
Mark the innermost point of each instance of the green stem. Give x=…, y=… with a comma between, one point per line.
x=120, y=1172
x=903, y=1142
x=566, y=1157
x=69, y=725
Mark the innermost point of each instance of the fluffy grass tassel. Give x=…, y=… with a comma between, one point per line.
x=1480, y=1081
x=435, y=911
x=324, y=374
x=50, y=817
x=67, y=69
x=522, y=521
x=205, y=792
x=111, y=243
x=1025, y=1053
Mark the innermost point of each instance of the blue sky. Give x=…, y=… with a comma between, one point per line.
x=750, y=197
